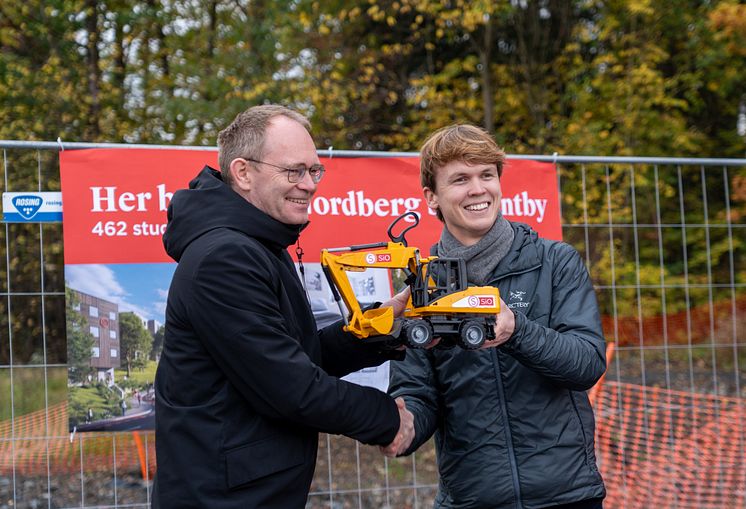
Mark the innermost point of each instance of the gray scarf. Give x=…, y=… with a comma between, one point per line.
x=482, y=257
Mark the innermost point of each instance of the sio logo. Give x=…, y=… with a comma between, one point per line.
x=480, y=301
x=27, y=205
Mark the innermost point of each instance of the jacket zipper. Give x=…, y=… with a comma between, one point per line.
x=503, y=405
x=508, y=434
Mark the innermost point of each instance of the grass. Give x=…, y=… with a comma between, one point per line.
x=138, y=378
x=28, y=389
x=99, y=400
x=88, y=397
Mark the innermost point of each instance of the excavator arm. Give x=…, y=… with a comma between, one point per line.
x=337, y=262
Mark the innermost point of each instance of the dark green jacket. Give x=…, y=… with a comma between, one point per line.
x=513, y=425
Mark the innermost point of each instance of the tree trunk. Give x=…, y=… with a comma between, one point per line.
x=94, y=72
x=488, y=95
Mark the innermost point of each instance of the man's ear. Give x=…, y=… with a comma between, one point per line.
x=430, y=198
x=241, y=174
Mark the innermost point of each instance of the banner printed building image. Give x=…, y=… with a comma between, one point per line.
x=103, y=322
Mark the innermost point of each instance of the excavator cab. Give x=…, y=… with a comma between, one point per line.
x=441, y=276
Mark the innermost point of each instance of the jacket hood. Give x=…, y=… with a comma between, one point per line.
x=208, y=204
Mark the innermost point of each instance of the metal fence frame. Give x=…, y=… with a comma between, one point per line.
x=421, y=491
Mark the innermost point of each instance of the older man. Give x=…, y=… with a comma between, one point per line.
x=245, y=382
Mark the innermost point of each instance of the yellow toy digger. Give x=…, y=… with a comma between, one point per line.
x=440, y=305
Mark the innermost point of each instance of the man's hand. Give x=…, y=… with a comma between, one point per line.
x=398, y=302
x=504, y=326
x=404, y=437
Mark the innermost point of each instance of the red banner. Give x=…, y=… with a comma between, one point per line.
x=115, y=201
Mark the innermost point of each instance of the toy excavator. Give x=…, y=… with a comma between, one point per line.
x=440, y=304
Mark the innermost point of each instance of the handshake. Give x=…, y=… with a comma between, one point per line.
x=404, y=436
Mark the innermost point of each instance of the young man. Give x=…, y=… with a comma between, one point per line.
x=245, y=382
x=513, y=426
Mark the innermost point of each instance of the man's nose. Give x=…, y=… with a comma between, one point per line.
x=476, y=186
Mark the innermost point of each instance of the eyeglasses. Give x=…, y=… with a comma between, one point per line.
x=295, y=175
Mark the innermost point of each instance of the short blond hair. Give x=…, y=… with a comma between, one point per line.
x=460, y=142
x=245, y=136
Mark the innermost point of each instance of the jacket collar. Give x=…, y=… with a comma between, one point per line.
x=523, y=254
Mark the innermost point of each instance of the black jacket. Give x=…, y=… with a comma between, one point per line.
x=513, y=425
x=245, y=382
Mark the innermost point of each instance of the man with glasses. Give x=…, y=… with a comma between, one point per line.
x=245, y=382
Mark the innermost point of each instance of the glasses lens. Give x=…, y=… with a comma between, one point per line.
x=316, y=171
x=296, y=174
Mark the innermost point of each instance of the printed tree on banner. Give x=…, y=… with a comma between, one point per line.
x=135, y=342
x=155, y=351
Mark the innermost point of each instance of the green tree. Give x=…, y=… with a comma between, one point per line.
x=496, y=64
x=614, y=77
x=617, y=77
x=80, y=341
x=155, y=352
x=135, y=342
x=190, y=67
x=351, y=64
x=724, y=58
x=625, y=98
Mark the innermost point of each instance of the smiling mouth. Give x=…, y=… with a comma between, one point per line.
x=477, y=207
x=298, y=201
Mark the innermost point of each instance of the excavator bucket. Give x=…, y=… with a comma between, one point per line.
x=380, y=320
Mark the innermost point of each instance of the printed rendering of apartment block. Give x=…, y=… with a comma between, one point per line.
x=103, y=322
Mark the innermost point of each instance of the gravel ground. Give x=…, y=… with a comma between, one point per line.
x=359, y=477
x=98, y=490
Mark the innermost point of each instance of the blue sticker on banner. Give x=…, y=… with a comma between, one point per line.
x=27, y=205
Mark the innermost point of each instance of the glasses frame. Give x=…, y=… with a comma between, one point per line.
x=300, y=172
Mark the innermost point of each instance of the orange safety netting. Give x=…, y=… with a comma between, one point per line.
x=656, y=448
x=710, y=321
x=29, y=451
x=664, y=448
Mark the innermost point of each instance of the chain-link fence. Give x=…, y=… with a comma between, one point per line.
x=664, y=241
